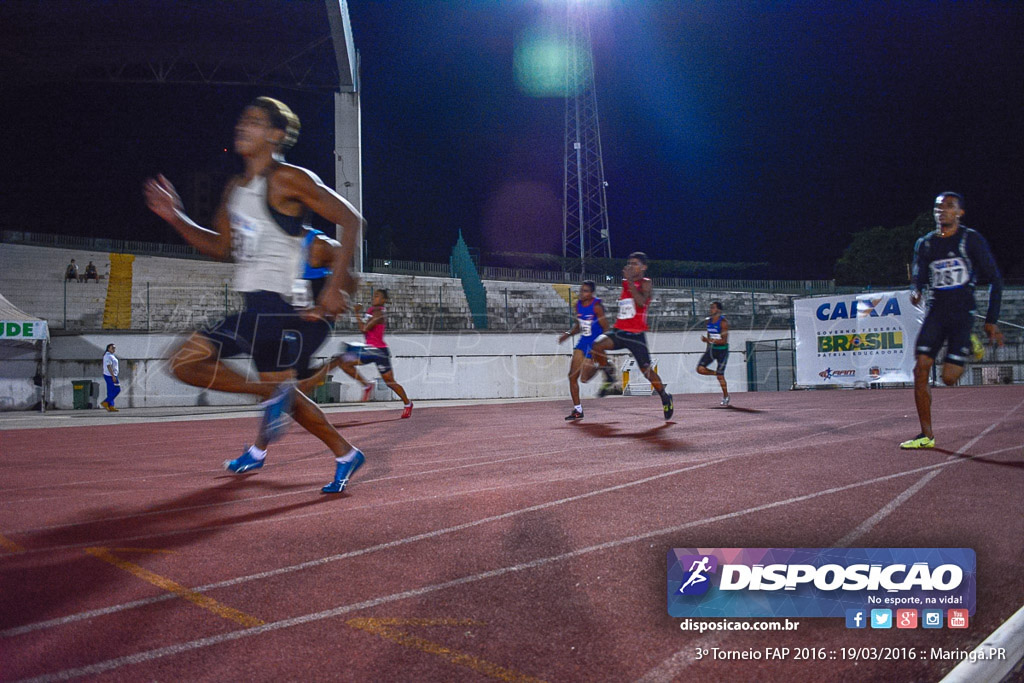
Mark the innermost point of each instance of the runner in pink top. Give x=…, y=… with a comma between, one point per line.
x=372, y=324
x=374, y=334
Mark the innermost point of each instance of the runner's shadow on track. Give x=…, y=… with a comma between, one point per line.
x=988, y=461
x=250, y=479
x=655, y=435
x=738, y=409
x=360, y=423
x=41, y=583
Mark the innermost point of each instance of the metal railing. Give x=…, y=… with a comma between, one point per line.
x=396, y=267
x=100, y=244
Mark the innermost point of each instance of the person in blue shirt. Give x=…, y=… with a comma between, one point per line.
x=949, y=261
x=717, y=340
x=590, y=324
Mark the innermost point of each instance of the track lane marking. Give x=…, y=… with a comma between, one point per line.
x=871, y=522
x=9, y=545
x=162, y=582
x=149, y=655
x=19, y=630
x=59, y=621
x=385, y=628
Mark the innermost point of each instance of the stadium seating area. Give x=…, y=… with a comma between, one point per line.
x=169, y=294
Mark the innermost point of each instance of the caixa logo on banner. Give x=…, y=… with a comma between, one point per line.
x=859, y=308
x=816, y=582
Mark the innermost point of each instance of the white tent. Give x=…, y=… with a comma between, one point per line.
x=16, y=325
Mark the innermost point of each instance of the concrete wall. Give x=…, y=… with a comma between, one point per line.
x=465, y=364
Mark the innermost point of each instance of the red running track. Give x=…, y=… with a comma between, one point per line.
x=485, y=542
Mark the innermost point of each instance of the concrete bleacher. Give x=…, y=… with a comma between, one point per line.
x=527, y=306
x=32, y=278
x=416, y=302
x=185, y=294
x=170, y=294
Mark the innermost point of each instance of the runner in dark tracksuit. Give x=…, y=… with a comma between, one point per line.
x=949, y=261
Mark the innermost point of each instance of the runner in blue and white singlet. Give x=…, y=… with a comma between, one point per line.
x=588, y=321
x=259, y=226
x=717, y=340
x=590, y=324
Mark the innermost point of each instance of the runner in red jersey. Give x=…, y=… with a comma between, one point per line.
x=630, y=330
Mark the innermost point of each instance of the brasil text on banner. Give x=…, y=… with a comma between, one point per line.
x=856, y=338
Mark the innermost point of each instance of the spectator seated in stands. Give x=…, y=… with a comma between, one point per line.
x=72, y=272
x=90, y=273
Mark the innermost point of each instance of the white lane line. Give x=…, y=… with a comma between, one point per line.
x=188, y=646
x=890, y=507
x=668, y=670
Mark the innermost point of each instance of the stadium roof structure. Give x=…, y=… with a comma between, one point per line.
x=297, y=44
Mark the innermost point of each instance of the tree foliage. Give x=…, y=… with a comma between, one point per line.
x=881, y=257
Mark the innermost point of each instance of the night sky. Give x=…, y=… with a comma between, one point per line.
x=732, y=131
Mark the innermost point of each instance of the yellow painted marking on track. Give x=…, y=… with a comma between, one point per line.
x=384, y=629
x=170, y=586
x=9, y=545
x=141, y=550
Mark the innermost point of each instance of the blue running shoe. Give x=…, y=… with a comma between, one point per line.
x=277, y=412
x=243, y=463
x=344, y=471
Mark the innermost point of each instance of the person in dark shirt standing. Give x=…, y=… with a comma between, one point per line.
x=949, y=261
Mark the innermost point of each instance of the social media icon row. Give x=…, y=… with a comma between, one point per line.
x=906, y=618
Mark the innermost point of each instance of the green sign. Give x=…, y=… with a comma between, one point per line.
x=23, y=329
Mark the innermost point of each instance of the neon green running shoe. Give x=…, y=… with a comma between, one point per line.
x=919, y=441
x=977, y=348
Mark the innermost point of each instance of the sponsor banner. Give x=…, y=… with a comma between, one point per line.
x=23, y=329
x=817, y=582
x=856, y=338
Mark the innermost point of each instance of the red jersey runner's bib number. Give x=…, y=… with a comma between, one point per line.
x=627, y=309
x=949, y=273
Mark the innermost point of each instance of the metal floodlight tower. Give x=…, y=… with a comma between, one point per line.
x=585, y=203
